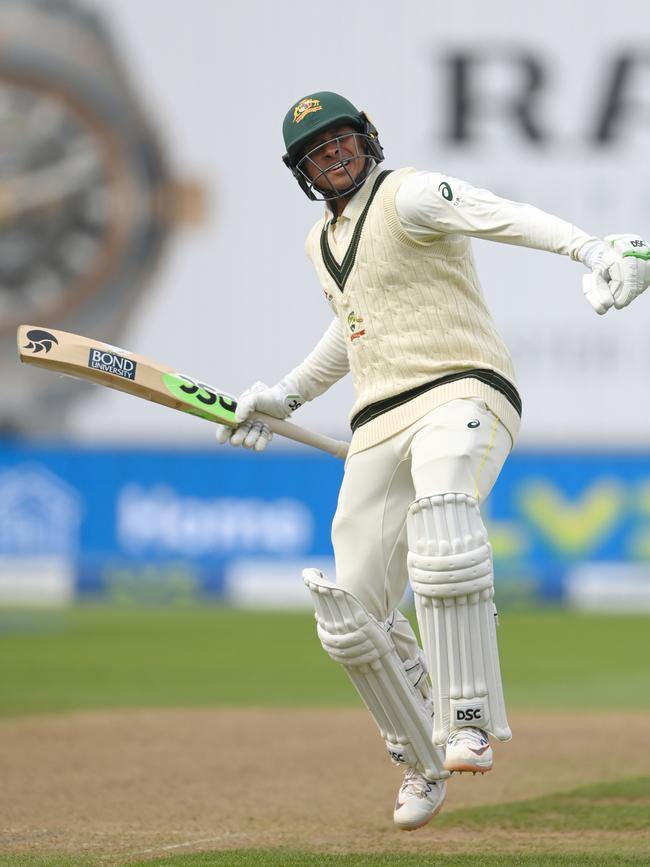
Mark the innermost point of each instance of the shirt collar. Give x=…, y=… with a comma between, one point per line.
x=358, y=201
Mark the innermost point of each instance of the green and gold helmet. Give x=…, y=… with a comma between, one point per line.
x=313, y=115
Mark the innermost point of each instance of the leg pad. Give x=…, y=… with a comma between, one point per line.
x=450, y=566
x=355, y=639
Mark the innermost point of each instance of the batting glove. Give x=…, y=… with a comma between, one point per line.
x=620, y=273
x=279, y=401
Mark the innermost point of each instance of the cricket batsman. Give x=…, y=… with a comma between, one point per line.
x=436, y=414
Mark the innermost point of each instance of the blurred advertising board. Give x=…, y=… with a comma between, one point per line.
x=552, y=109
x=163, y=525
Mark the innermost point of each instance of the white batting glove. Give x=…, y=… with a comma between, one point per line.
x=278, y=401
x=251, y=434
x=619, y=274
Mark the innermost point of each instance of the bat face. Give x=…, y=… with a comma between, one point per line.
x=201, y=399
x=84, y=358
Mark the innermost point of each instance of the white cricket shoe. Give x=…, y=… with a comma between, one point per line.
x=418, y=800
x=468, y=749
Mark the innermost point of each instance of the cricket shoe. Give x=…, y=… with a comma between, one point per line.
x=468, y=749
x=418, y=800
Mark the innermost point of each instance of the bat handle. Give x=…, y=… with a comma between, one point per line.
x=291, y=431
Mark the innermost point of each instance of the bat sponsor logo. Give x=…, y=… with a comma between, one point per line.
x=201, y=399
x=111, y=362
x=40, y=341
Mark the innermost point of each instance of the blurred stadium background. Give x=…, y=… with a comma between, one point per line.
x=143, y=201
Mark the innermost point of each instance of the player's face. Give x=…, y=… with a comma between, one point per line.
x=335, y=157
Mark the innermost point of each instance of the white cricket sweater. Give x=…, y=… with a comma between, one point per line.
x=398, y=272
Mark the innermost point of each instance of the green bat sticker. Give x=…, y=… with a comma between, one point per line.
x=200, y=399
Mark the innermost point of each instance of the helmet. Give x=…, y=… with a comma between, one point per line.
x=312, y=115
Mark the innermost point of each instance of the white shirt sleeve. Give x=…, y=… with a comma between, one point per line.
x=430, y=204
x=325, y=364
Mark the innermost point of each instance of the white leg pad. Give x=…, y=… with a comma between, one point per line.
x=450, y=567
x=357, y=640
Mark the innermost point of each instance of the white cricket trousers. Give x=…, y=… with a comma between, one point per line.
x=458, y=447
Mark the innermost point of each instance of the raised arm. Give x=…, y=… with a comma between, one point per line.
x=430, y=205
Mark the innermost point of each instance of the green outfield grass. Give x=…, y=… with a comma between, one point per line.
x=94, y=656
x=103, y=657
x=621, y=806
x=265, y=858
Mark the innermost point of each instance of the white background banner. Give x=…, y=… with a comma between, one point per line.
x=543, y=103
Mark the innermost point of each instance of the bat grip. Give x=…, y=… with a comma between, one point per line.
x=291, y=431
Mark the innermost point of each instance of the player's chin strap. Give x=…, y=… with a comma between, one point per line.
x=450, y=567
x=395, y=692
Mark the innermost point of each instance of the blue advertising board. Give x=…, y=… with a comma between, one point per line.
x=169, y=518
x=166, y=523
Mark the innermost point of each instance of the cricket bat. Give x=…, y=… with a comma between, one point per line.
x=85, y=358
